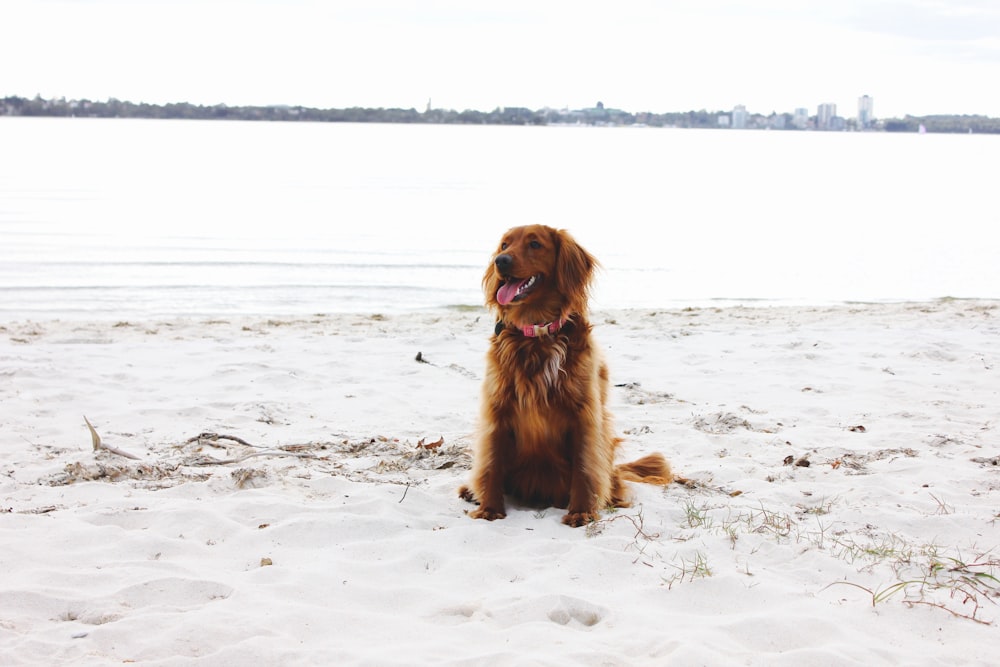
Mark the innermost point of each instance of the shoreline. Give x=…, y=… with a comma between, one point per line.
x=600, y=310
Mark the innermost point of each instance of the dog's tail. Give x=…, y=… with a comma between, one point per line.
x=651, y=469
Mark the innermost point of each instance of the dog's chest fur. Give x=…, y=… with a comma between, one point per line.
x=536, y=371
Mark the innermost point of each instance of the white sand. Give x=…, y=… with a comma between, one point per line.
x=883, y=551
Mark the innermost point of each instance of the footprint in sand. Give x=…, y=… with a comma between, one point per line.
x=560, y=609
x=569, y=609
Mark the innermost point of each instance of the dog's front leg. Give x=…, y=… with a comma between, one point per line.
x=488, y=475
x=584, y=490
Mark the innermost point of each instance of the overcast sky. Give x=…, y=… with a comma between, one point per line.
x=912, y=56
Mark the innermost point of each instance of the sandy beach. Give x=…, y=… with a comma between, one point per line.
x=292, y=497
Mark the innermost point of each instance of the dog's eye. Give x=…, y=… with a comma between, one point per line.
x=535, y=245
x=503, y=246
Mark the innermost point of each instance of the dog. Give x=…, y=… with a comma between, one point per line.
x=546, y=436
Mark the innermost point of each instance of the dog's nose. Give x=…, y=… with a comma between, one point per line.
x=504, y=262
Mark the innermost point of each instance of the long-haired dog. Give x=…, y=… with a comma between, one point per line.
x=546, y=436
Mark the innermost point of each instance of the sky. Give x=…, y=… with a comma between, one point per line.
x=914, y=57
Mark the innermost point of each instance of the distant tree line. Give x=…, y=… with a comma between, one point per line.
x=954, y=124
x=598, y=115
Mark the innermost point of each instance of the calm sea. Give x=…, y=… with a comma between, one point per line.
x=126, y=219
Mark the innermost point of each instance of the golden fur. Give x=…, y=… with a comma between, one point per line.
x=546, y=435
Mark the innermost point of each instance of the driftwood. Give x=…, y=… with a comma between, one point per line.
x=209, y=461
x=379, y=456
x=212, y=439
x=99, y=444
x=201, y=437
x=215, y=436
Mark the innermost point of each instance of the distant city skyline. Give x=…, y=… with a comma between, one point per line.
x=826, y=117
x=915, y=56
x=599, y=114
x=737, y=116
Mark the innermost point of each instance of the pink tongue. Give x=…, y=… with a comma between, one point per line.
x=507, y=293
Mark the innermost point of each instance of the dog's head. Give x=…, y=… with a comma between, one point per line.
x=538, y=274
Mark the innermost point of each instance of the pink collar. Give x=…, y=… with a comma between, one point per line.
x=537, y=330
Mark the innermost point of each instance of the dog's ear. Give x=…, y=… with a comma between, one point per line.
x=491, y=283
x=575, y=269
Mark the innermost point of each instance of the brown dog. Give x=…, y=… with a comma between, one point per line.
x=546, y=435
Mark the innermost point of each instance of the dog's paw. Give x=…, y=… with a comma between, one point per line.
x=487, y=513
x=466, y=494
x=577, y=519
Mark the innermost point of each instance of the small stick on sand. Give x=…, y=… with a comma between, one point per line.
x=209, y=461
x=217, y=436
x=98, y=444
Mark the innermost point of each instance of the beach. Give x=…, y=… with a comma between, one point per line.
x=292, y=496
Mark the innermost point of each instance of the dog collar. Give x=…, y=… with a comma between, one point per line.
x=534, y=330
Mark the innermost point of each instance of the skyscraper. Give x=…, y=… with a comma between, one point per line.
x=801, y=118
x=866, y=107
x=824, y=115
x=739, y=117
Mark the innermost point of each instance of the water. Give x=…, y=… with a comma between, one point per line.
x=125, y=219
